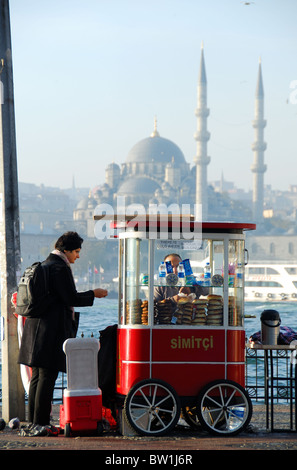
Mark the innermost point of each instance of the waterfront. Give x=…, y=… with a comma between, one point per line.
x=105, y=312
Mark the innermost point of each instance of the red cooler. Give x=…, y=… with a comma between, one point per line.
x=81, y=411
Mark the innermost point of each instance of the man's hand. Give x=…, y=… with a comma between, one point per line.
x=185, y=290
x=100, y=293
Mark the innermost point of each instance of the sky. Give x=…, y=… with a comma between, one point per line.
x=91, y=76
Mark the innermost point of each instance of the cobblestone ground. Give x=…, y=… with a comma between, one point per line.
x=181, y=439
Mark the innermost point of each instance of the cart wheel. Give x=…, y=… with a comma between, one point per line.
x=224, y=408
x=190, y=416
x=67, y=430
x=152, y=407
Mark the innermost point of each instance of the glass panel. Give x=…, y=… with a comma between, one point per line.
x=195, y=299
x=135, y=270
x=215, y=309
x=121, y=278
x=235, y=282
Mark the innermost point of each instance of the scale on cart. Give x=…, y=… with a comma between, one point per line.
x=186, y=357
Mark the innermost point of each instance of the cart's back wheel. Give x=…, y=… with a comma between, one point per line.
x=224, y=408
x=152, y=407
x=67, y=430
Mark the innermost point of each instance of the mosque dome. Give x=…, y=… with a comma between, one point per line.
x=83, y=203
x=86, y=203
x=138, y=185
x=156, y=149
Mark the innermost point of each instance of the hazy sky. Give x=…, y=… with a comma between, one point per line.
x=90, y=76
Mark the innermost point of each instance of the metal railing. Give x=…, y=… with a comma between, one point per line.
x=255, y=375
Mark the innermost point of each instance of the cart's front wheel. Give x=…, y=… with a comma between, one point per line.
x=224, y=408
x=152, y=407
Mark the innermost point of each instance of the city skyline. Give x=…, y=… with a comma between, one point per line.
x=90, y=79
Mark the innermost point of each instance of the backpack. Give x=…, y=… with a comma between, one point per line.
x=33, y=296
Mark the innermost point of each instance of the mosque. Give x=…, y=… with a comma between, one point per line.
x=156, y=172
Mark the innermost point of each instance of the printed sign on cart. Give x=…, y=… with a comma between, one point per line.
x=189, y=345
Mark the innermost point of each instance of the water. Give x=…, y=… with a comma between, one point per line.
x=94, y=319
x=104, y=312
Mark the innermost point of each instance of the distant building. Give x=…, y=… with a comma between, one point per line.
x=43, y=210
x=155, y=171
x=272, y=248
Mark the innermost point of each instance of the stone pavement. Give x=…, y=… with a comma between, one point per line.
x=181, y=440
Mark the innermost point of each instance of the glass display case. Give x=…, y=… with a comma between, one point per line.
x=209, y=295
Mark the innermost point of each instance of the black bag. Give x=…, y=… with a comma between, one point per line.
x=33, y=296
x=107, y=360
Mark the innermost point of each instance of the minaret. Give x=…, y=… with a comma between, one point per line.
x=258, y=147
x=202, y=137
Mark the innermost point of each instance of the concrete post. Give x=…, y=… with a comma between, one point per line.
x=13, y=403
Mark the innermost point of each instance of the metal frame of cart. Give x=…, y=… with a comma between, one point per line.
x=163, y=369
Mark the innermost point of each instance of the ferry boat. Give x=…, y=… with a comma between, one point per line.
x=270, y=282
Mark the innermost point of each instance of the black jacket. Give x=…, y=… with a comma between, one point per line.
x=43, y=338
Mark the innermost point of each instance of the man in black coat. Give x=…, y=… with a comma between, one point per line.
x=43, y=337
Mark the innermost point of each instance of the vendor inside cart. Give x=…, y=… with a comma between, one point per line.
x=173, y=292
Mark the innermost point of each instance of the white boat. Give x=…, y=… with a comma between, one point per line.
x=270, y=282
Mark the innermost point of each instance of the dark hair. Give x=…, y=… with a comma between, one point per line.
x=69, y=241
x=173, y=254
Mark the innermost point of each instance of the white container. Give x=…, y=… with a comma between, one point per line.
x=81, y=364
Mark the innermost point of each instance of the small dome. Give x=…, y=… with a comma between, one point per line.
x=138, y=185
x=113, y=166
x=83, y=203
